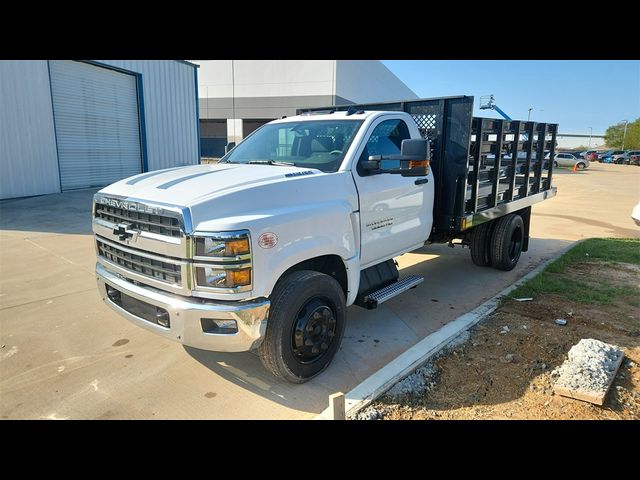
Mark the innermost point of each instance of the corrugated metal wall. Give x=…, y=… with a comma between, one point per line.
x=169, y=110
x=28, y=158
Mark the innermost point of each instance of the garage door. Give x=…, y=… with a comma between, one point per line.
x=97, y=124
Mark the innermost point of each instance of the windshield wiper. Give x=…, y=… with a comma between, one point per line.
x=272, y=162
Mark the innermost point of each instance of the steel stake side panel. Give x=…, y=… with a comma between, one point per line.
x=481, y=165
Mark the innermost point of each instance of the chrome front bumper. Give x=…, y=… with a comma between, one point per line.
x=185, y=314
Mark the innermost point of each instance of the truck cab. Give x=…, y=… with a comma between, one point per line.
x=267, y=248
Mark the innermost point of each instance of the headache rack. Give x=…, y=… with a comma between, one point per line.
x=483, y=167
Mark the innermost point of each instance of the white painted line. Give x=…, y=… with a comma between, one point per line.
x=407, y=362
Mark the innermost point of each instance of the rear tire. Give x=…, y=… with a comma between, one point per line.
x=506, y=242
x=479, y=239
x=555, y=164
x=306, y=323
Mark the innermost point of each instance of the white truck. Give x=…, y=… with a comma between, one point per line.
x=266, y=249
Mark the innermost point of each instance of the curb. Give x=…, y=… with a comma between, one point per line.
x=406, y=363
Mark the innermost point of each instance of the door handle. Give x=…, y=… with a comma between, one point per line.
x=421, y=181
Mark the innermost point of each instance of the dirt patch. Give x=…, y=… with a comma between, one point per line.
x=503, y=371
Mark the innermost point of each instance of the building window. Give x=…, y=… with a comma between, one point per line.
x=213, y=137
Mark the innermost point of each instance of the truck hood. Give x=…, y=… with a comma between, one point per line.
x=186, y=186
x=235, y=196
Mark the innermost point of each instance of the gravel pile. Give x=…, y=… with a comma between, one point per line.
x=420, y=381
x=590, y=366
x=369, y=413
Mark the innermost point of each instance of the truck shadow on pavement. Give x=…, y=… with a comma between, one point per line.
x=374, y=338
x=246, y=370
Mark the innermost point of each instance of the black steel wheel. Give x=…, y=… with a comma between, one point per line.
x=314, y=330
x=506, y=242
x=306, y=324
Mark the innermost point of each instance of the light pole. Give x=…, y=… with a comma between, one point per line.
x=590, y=133
x=529, y=115
x=626, y=122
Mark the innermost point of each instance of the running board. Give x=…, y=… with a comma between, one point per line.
x=374, y=299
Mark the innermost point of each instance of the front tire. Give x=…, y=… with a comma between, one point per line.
x=581, y=166
x=306, y=324
x=506, y=242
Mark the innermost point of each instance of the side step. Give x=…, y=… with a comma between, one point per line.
x=380, y=296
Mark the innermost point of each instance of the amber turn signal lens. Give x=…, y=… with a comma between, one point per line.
x=421, y=163
x=237, y=247
x=240, y=277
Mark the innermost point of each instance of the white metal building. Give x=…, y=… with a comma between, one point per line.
x=68, y=124
x=238, y=96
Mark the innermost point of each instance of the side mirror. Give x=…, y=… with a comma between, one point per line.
x=415, y=156
x=229, y=146
x=413, y=160
x=415, y=149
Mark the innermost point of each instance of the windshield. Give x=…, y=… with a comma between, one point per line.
x=320, y=144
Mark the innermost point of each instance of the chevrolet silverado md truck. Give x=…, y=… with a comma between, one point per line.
x=267, y=248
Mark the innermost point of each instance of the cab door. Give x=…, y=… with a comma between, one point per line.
x=396, y=212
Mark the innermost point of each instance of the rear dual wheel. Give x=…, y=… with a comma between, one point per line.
x=480, y=242
x=498, y=243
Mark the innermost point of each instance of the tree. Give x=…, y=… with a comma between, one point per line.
x=613, y=135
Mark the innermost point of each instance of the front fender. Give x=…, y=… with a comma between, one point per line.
x=303, y=233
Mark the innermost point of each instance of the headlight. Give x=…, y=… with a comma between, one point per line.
x=228, y=245
x=218, y=277
x=222, y=261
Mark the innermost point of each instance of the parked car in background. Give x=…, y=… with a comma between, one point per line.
x=568, y=159
x=617, y=158
x=608, y=156
x=625, y=158
x=634, y=160
x=589, y=155
x=603, y=154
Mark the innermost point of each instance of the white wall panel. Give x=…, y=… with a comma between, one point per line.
x=265, y=78
x=28, y=158
x=368, y=81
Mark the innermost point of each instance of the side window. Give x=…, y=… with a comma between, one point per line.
x=385, y=139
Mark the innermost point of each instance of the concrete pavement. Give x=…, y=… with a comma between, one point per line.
x=66, y=355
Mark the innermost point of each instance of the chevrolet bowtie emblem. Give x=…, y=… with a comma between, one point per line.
x=124, y=233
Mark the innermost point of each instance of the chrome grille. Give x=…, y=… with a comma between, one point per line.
x=156, y=269
x=145, y=222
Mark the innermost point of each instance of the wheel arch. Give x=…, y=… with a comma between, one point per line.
x=332, y=265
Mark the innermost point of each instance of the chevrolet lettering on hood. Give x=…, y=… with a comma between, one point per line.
x=132, y=206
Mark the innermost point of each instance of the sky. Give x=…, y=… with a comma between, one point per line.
x=576, y=94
